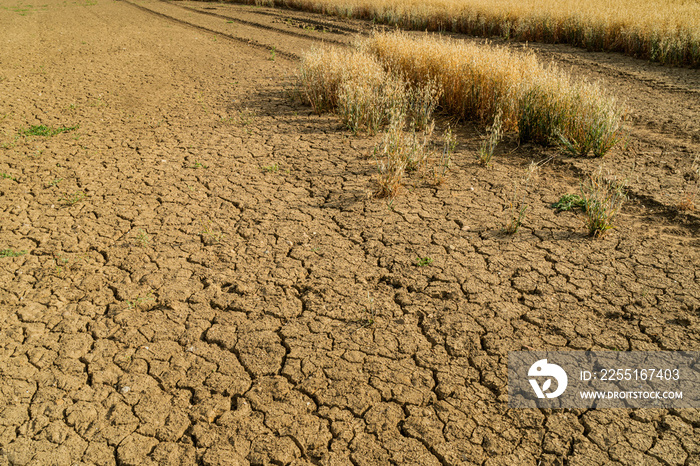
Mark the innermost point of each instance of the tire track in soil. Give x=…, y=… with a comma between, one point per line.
x=247, y=41
x=272, y=38
x=255, y=347
x=256, y=25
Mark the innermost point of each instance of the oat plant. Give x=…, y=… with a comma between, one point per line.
x=418, y=147
x=421, y=103
x=444, y=157
x=367, y=104
x=391, y=159
x=517, y=207
x=488, y=146
x=603, y=200
x=687, y=200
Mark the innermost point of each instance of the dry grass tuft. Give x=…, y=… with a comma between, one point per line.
x=687, y=202
x=395, y=71
x=542, y=103
x=517, y=205
x=488, y=146
x=323, y=72
x=603, y=199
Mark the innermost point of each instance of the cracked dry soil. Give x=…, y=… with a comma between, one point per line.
x=199, y=274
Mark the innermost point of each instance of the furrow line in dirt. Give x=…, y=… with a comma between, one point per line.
x=618, y=71
x=247, y=41
x=251, y=23
x=300, y=16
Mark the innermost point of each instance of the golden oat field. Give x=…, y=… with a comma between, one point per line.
x=663, y=31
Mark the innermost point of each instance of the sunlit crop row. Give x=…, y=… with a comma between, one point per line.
x=667, y=31
x=475, y=82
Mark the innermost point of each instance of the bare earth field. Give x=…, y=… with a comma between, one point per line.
x=198, y=272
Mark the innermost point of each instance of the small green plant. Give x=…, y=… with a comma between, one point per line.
x=54, y=182
x=22, y=10
x=423, y=261
x=61, y=263
x=98, y=102
x=603, y=200
x=7, y=176
x=11, y=253
x=200, y=99
x=133, y=304
x=568, y=202
x=245, y=117
x=489, y=144
x=517, y=207
x=9, y=145
x=273, y=51
x=197, y=164
x=274, y=168
x=74, y=198
x=209, y=234
x=143, y=239
x=45, y=131
x=370, y=312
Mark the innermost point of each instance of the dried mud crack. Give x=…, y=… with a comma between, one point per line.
x=198, y=273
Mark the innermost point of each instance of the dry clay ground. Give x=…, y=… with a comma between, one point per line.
x=198, y=273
